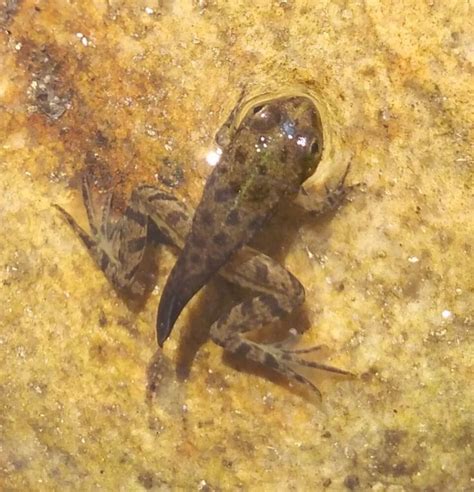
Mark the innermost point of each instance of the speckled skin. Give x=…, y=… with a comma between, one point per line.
x=276, y=147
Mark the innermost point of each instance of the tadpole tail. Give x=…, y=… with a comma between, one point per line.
x=167, y=315
x=180, y=287
x=172, y=302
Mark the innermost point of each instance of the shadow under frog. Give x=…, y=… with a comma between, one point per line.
x=265, y=160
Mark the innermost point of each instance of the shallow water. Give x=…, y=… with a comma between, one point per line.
x=134, y=92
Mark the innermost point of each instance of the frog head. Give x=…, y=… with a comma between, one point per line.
x=289, y=131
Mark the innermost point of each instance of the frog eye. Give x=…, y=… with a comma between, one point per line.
x=265, y=117
x=315, y=147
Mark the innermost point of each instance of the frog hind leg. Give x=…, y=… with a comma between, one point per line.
x=117, y=247
x=279, y=294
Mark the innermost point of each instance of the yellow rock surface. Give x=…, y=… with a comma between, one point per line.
x=134, y=92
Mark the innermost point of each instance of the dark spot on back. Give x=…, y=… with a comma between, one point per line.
x=198, y=241
x=220, y=238
x=212, y=263
x=255, y=223
x=235, y=186
x=207, y=217
x=262, y=170
x=222, y=168
x=233, y=218
x=240, y=155
x=195, y=258
x=224, y=194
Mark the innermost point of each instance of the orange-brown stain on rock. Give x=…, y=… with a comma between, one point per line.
x=102, y=118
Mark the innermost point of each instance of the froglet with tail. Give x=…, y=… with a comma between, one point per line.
x=265, y=159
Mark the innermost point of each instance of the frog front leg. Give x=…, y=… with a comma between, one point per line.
x=330, y=200
x=227, y=129
x=279, y=293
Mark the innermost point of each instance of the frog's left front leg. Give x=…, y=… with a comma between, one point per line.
x=279, y=293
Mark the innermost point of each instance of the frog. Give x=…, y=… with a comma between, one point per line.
x=267, y=154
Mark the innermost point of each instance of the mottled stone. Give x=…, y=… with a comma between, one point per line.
x=123, y=89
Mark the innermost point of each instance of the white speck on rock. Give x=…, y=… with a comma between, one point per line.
x=21, y=352
x=447, y=314
x=83, y=39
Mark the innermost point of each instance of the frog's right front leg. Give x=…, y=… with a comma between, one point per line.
x=330, y=200
x=118, y=246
